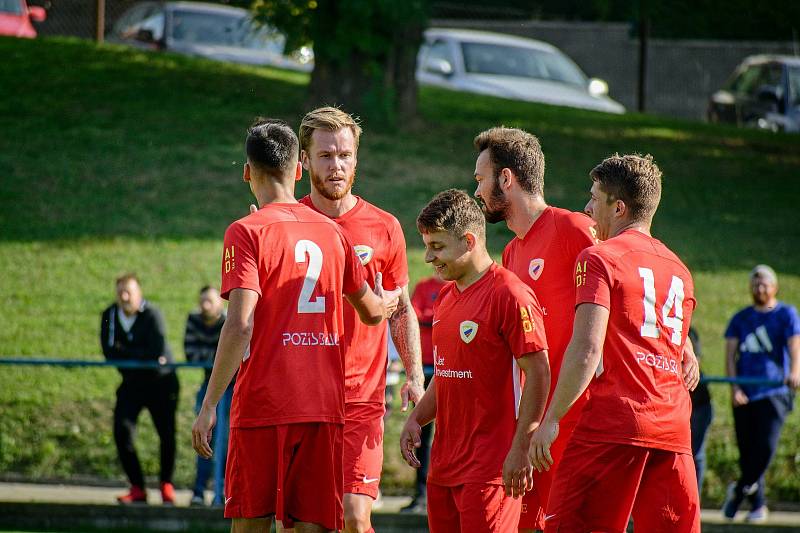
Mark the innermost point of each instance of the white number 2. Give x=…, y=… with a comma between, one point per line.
x=674, y=301
x=304, y=303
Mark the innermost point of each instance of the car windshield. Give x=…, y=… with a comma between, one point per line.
x=505, y=60
x=225, y=30
x=11, y=6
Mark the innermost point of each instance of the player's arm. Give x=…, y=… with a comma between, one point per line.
x=373, y=306
x=517, y=468
x=580, y=363
x=794, y=362
x=738, y=397
x=404, y=328
x=423, y=413
x=233, y=342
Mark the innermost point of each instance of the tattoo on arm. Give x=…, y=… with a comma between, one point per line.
x=405, y=335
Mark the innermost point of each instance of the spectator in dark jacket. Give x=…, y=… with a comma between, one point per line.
x=203, y=328
x=132, y=329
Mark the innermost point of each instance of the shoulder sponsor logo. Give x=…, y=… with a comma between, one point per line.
x=535, y=268
x=468, y=330
x=364, y=253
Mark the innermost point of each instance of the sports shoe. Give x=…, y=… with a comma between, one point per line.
x=136, y=495
x=197, y=501
x=167, y=493
x=758, y=515
x=732, y=502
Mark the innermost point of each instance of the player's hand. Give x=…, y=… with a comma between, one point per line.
x=793, y=380
x=410, y=440
x=738, y=397
x=253, y=209
x=201, y=432
x=517, y=472
x=390, y=298
x=691, y=368
x=411, y=391
x=542, y=439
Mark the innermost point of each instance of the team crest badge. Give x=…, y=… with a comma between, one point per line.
x=468, y=330
x=536, y=268
x=364, y=253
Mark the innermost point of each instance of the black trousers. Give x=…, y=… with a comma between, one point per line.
x=758, y=429
x=158, y=395
x=424, y=451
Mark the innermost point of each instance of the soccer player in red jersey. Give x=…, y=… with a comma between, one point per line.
x=488, y=340
x=510, y=175
x=329, y=148
x=631, y=450
x=284, y=270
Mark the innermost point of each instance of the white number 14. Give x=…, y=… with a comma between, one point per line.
x=674, y=301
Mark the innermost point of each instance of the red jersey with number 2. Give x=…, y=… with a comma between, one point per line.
x=478, y=334
x=638, y=396
x=300, y=263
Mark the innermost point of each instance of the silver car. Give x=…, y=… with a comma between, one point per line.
x=213, y=31
x=508, y=67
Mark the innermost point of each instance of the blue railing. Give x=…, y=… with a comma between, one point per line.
x=121, y=363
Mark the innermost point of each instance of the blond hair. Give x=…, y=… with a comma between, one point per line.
x=328, y=119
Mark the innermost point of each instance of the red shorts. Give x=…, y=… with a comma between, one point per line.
x=471, y=508
x=534, y=503
x=363, y=448
x=600, y=485
x=292, y=471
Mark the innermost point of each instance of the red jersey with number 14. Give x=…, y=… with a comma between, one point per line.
x=477, y=335
x=381, y=247
x=544, y=259
x=300, y=263
x=638, y=397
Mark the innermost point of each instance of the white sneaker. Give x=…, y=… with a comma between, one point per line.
x=758, y=516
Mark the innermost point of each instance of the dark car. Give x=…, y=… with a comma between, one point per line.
x=213, y=31
x=763, y=92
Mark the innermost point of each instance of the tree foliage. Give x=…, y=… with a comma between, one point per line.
x=364, y=50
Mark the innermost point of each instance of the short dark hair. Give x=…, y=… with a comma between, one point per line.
x=518, y=151
x=453, y=211
x=126, y=277
x=272, y=147
x=633, y=178
x=207, y=288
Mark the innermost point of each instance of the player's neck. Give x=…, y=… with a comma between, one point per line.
x=333, y=208
x=767, y=306
x=479, y=267
x=524, y=213
x=641, y=227
x=274, y=193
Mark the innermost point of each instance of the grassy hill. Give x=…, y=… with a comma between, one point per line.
x=114, y=160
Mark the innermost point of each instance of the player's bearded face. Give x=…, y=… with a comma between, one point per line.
x=495, y=208
x=332, y=185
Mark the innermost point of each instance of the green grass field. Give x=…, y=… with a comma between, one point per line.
x=114, y=160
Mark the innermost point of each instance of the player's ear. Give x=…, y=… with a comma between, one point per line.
x=471, y=241
x=246, y=172
x=506, y=178
x=620, y=208
x=298, y=172
x=304, y=159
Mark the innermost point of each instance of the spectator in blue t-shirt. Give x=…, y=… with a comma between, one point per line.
x=762, y=342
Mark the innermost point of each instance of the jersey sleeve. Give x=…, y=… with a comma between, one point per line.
x=395, y=273
x=521, y=320
x=354, y=273
x=732, y=331
x=793, y=324
x=593, y=279
x=239, y=260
